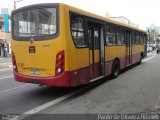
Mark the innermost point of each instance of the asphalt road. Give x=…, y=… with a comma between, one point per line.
x=18, y=97
x=136, y=90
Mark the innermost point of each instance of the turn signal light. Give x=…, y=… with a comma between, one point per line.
x=60, y=56
x=60, y=63
x=14, y=62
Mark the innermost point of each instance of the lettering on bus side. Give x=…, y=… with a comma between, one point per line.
x=20, y=64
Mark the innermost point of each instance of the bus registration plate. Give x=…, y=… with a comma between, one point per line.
x=35, y=72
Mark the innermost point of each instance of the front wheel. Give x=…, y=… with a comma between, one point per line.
x=115, y=69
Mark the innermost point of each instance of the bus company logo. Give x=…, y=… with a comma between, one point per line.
x=31, y=40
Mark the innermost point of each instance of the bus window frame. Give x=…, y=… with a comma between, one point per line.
x=34, y=7
x=120, y=28
x=111, y=28
x=84, y=30
x=115, y=28
x=142, y=36
x=96, y=22
x=133, y=37
x=109, y=33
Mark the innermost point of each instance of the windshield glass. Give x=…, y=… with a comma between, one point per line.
x=35, y=22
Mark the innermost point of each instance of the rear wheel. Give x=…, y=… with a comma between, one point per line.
x=115, y=69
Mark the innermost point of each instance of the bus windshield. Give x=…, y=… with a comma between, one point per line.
x=35, y=22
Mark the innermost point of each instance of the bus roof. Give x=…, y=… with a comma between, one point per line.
x=80, y=11
x=101, y=17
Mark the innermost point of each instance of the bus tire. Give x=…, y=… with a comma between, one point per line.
x=115, y=69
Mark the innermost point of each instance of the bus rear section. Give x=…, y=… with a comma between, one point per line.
x=38, y=50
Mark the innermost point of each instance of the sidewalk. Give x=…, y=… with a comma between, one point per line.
x=5, y=66
x=5, y=63
x=9, y=56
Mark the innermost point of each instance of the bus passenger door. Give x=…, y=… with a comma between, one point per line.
x=128, y=48
x=94, y=49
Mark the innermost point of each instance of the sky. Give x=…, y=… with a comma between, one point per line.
x=141, y=12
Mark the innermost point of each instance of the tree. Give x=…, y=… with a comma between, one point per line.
x=153, y=32
x=158, y=39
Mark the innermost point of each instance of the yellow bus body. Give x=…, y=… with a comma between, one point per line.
x=75, y=58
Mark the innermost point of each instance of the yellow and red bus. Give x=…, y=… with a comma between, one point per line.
x=59, y=45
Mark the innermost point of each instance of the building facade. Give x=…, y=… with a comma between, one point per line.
x=153, y=34
x=5, y=35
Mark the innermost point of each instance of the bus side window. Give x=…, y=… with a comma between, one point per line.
x=138, y=40
x=108, y=39
x=108, y=36
x=133, y=38
x=77, y=29
x=142, y=38
x=96, y=38
x=113, y=34
x=120, y=36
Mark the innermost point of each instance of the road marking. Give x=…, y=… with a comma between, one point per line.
x=149, y=58
x=148, y=54
x=13, y=88
x=6, y=63
x=1, y=78
x=48, y=104
x=6, y=70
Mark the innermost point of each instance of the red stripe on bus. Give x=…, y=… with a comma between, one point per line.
x=75, y=77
